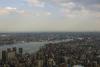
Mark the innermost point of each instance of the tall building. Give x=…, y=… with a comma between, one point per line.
x=11, y=53
x=14, y=49
x=4, y=56
x=20, y=51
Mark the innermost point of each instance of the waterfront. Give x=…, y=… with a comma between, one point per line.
x=27, y=47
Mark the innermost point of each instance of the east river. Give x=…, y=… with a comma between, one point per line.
x=29, y=47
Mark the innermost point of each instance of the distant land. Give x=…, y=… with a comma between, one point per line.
x=21, y=37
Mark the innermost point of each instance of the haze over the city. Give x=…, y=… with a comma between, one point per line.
x=49, y=15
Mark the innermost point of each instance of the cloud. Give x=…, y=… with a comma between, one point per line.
x=10, y=10
x=96, y=6
x=60, y=1
x=45, y=13
x=69, y=4
x=48, y=13
x=76, y=10
x=23, y=13
x=36, y=3
x=87, y=2
x=7, y=10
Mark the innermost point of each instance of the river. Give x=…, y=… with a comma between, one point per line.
x=30, y=47
x=27, y=47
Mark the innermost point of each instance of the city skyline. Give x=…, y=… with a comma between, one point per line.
x=49, y=15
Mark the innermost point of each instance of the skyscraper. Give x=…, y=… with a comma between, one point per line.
x=4, y=56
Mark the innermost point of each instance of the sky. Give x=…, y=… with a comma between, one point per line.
x=49, y=15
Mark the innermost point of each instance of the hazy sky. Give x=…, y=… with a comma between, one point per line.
x=49, y=15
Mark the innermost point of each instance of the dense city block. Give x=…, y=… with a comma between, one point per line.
x=65, y=50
